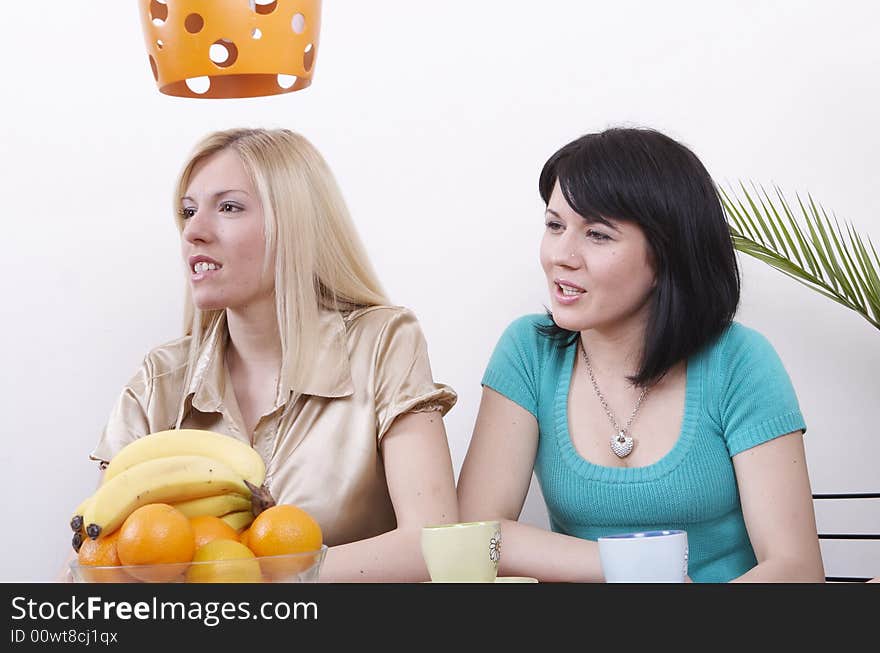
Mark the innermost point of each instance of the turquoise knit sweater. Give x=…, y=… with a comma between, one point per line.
x=738, y=395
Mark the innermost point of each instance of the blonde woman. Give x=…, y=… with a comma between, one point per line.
x=293, y=347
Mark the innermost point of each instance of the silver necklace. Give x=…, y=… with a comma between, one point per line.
x=621, y=443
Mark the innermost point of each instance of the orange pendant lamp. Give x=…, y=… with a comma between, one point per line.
x=231, y=48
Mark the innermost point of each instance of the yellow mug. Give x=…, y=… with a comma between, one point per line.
x=462, y=553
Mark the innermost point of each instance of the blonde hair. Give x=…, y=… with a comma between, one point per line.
x=319, y=259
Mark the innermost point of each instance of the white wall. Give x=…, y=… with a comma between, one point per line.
x=436, y=118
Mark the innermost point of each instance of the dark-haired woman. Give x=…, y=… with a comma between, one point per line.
x=637, y=401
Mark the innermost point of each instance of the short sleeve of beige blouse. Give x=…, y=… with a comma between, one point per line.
x=320, y=445
x=403, y=378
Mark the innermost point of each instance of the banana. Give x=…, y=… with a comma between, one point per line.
x=217, y=505
x=239, y=520
x=76, y=520
x=261, y=498
x=190, y=442
x=160, y=480
x=77, y=541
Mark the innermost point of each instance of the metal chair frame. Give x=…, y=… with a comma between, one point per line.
x=848, y=536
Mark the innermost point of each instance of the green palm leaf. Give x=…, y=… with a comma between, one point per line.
x=812, y=248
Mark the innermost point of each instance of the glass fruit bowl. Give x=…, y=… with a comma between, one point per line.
x=290, y=568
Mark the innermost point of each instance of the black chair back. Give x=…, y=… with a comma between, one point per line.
x=848, y=535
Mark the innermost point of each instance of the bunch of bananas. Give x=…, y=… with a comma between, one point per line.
x=198, y=472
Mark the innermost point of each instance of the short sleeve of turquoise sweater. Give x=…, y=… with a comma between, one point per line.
x=514, y=368
x=756, y=400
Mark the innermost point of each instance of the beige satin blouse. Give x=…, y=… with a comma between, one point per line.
x=321, y=447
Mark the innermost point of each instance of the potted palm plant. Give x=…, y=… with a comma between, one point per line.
x=814, y=250
x=811, y=248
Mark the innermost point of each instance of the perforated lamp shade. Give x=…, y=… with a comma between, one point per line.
x=231, y=48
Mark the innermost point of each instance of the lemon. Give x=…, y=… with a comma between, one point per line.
x=224, y=561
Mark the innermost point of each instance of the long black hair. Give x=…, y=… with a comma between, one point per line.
x=645, y=177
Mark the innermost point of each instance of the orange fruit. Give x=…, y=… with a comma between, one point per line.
x=224, y=561
x=280, y=531
x=207, y=528
x=101, y=552
x=243, y=536
x=156, y=534
x=284, y=529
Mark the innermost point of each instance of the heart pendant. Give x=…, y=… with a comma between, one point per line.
x=621, y=445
